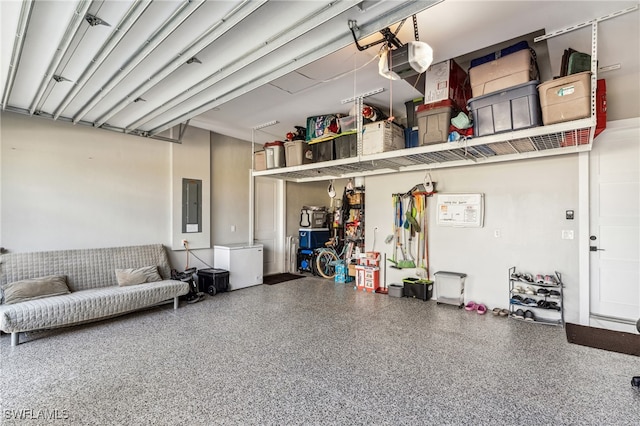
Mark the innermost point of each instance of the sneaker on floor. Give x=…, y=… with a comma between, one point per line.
x=635, y=382
x=528, y=316
x=503, y=312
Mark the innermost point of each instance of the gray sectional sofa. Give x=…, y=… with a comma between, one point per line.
x=94, y=291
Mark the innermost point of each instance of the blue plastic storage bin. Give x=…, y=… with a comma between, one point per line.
x=312, y=238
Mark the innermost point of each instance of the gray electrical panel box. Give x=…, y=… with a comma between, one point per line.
x=191, y=205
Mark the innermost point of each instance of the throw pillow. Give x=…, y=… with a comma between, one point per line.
x=133, y=276
x=35, y=288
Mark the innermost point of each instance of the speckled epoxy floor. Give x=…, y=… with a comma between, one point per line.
x=313, y=352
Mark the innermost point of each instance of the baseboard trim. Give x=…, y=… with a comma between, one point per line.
x=600, y=338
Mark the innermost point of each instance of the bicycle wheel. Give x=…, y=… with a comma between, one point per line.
x=326, y=264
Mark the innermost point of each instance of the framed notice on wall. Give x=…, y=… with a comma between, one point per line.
x=461, y=210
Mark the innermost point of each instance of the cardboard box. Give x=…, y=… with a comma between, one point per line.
x=507, y=71
x=447, y=80
x=382, y=136
x=565, y=99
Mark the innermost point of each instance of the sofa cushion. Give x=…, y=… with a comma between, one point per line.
x=133, y=276
x=35, y=288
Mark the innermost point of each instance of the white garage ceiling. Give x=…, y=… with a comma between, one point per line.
x=144, y=66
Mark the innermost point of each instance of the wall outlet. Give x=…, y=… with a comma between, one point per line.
x=497, y=233
x=567, y=234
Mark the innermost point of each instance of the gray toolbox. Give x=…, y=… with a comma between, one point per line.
x=449, y=287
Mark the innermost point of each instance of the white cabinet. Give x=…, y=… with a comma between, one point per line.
x=243, y=261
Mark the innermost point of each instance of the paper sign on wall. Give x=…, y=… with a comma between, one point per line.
x=461, y=210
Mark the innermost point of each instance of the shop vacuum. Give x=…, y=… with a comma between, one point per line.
x=187, y=276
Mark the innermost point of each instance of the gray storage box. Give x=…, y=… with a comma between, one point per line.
x=511, y=109
x=450, y=287
x=396, y=290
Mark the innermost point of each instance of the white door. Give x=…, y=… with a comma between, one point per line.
x=269, y=222
x=615, y=227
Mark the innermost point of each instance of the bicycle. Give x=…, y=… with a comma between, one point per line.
x=327, y=258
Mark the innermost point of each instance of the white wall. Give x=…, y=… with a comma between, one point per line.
x=191, y=160
x=525, y=200
x=66, y=187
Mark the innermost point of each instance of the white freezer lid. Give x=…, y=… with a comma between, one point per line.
x=238, y=246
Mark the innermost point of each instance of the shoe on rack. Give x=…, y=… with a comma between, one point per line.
x=540, y=279
x=527, y=278
x=516, y=276
x=553, y=305
x=554, y=293
x=516, y=300
x=550, y=280
x=543, y=304
x=530, y=290
x=543, y=292
x=519, y=314
x=528, y=316
x=530, y=302
x=518, y=289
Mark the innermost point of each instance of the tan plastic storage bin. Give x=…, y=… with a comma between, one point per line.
x=507, y=71
x=294, y=152
x=566, y=98
x=259, y=161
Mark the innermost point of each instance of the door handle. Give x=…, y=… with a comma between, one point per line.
x=595, y=248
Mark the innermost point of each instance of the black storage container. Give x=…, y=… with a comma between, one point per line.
x=213, y=280
x=417, y=288
x=323, y=151
x=346, y=145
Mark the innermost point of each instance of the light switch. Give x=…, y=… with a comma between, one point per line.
x=567, y=234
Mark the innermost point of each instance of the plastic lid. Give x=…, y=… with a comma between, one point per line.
x=434, y=105
x=274, y=143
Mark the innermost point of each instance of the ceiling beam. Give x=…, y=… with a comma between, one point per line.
x=293, y=31
x=402, y=11
x=72, y=29
x=18, y=44
x=215, y=31
x=135, y=11
x=185, y=10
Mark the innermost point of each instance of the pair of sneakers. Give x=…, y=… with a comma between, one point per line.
x=479, y=307
x=524, y=315
x=546, y=279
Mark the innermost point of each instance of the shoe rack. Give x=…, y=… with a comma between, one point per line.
x=536, y=298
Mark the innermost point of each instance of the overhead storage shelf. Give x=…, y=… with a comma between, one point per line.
x=556, y=139
x=562, y=138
